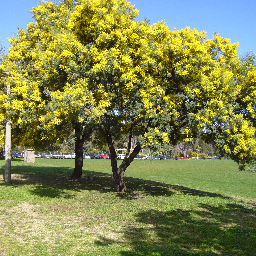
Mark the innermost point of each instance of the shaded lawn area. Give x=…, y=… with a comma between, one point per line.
x=44, y=213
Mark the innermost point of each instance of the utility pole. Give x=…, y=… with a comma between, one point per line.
x=8, y=157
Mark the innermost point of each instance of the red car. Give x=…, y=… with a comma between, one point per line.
x=104, y=156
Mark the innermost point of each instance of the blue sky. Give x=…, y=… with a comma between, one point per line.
x=234, y=19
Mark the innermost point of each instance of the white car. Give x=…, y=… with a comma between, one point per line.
x=120, y=156
x=56, y=155
x=86, y=156
x=37, y=155
x=46, y=155
x=66, y=156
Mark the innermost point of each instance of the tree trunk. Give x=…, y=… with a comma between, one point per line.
x=241, y=165
x=79, y=143
x=122, y=168
x=118, y=180
x=118, y=173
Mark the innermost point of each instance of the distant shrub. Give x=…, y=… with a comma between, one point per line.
x=251, y=167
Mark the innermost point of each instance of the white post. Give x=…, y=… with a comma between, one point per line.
x=8, y=157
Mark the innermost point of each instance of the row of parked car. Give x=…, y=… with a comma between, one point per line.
x=14, y=154
x=56, y=155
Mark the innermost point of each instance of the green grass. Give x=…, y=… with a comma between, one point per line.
x=184, y=207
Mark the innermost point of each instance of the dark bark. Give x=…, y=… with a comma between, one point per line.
x=120, y=185
x=119, y=181
x=113, y=158
x=79, y=143
x=118, y=172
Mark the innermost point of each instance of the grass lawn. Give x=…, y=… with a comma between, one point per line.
x=184, y=207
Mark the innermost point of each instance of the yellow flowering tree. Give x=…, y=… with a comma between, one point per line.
x=46, y=87
x=164, y=86
x=54, y=80
x=205, y=92
x=245, y=111
x=88, y=65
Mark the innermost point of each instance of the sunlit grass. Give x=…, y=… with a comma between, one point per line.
x=171, y=208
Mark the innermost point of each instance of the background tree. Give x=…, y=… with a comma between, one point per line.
x=3, y=79
x=246, y=101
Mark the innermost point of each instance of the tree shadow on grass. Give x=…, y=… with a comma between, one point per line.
x=54, y=181
x=221, y=229
x=140, y=187
x=226, y=229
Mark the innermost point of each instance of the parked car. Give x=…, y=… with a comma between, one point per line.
x=95, y=156
x=86, y=156
x=66, y=156
x=46, y=155
x=19, y=155
x=37, y=155
x=104, y=156
x=120, y=156
x=56, y=155
x=2, y=155
x=14, y=154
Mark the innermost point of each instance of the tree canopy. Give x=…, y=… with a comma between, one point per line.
x=91, y=66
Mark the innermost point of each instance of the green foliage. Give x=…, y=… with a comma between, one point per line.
x=251, y=167
x=2, y=52
x=249, y=58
